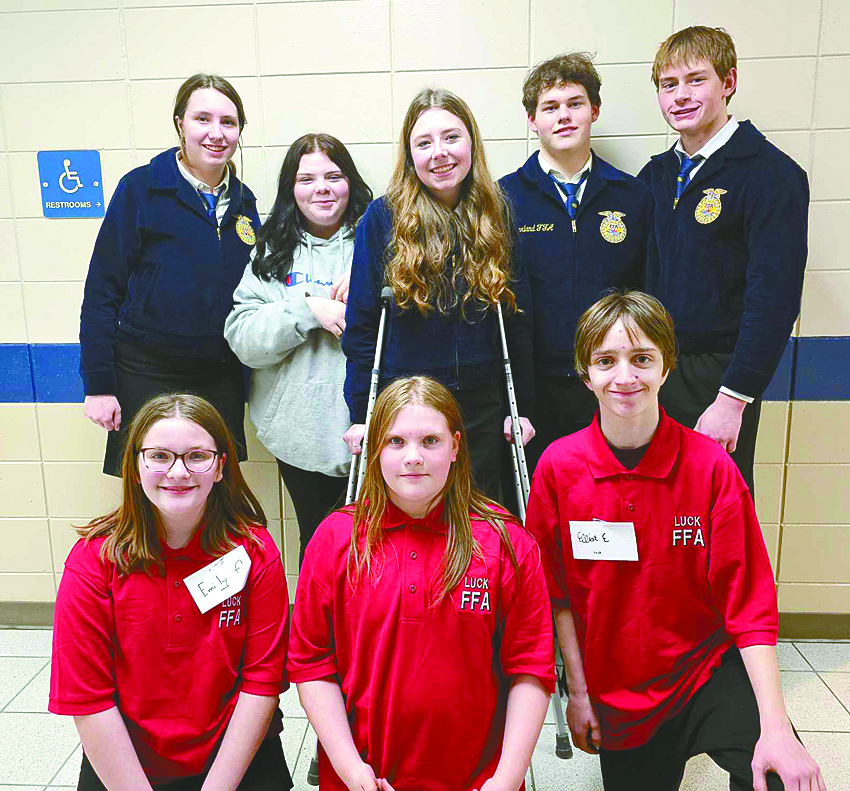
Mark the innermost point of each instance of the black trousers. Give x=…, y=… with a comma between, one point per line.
x=482, y=413
x=266, y=772
x=692, y=387
x=721, y=720
x=143, y=373
x=314, y=496
x=562, y=406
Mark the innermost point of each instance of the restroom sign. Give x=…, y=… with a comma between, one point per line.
x=71, y=183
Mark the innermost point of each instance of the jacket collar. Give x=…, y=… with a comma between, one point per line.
x=164, y=175
x=657, y=462
x=745, y=143
x=600, y=173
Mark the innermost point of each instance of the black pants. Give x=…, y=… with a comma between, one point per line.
x=266, y=772
x=483, y=418
x=721, y=720
x=143, y=373
x=562, y=406
x=692, y=387
x=314, y=496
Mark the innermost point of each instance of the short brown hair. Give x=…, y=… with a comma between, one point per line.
x=637, y=310
x=574, y=67
x=696, y=43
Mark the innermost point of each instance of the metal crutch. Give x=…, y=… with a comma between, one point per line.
x=563, y=748
x=358, y=463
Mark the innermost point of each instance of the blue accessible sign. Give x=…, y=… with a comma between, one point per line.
x=71, y=183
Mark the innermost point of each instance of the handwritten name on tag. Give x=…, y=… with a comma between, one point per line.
x=220, y=579
x=603, y=540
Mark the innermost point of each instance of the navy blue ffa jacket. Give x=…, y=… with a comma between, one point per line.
x=162, y=274
x=462, y=354
x=569, y=270
x=728, y=260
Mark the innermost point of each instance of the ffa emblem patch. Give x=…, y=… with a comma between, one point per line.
x=245, y=231
x=612, y=228
x=708, y=209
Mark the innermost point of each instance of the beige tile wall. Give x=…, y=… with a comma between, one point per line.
x=102, y=74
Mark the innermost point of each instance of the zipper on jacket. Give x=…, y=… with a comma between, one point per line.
x=575, y=230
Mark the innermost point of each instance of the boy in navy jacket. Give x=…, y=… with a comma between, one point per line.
x=729, y=245
x=581, y=228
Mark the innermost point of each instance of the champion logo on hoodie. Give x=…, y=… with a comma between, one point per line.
x=299, y=278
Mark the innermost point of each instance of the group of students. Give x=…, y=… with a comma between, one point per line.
x=421, y=636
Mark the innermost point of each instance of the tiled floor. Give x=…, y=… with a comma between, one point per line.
x=39, y=750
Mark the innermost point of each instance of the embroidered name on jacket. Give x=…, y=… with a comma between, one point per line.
x=475, y=595
x=540, y=227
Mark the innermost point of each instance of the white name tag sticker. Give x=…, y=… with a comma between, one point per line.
x=603, y=540
x=220, y=579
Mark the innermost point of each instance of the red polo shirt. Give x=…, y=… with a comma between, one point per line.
x=425, y=685
x=140, y=642
x=652, y=631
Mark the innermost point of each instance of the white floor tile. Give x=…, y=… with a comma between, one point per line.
x=839, y=683
x=832, y=752
x=702, y=774
x=827, y=656
x=811, y=706
x=33, y=697
x=70, y=772
x=15, y=673
x=25, y=642
x=579, y=773
x=292, y=739
x=23, y=736
x=790, y=658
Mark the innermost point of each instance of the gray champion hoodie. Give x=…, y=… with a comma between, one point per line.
x=296, y=401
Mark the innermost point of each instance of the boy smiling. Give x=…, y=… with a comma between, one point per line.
x=729, y=247
x=659, y=579
x=582, y=227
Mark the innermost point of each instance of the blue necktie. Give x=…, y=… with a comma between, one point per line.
x=211, y=199
x=688, y=164
x=571, y=188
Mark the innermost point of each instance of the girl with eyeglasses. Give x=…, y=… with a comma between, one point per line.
x=168, y=689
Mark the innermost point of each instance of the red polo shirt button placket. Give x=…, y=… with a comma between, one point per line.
x=413, y=581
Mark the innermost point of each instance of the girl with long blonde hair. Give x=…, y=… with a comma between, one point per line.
x=440, y=240
x=421, y=614
x=166, y=686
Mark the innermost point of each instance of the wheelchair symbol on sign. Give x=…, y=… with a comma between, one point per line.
x=70, y=175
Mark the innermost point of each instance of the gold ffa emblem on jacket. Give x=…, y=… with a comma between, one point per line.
x=709, y=208
x=612, y=228
x=245, y=231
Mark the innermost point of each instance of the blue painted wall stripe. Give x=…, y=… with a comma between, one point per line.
x=811, y=369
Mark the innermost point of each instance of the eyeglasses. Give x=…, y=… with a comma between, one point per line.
x=161, y=460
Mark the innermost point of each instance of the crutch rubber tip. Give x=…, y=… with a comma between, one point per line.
x=563, y=748
x=313, y=772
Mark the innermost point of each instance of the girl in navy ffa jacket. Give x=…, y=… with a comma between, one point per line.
x=173, y=680
x=440, y=240
x=173, y=245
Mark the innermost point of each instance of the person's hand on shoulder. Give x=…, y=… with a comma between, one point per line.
x=104, y=410
x=722, y=421
x=354, y=438
x=330, y=314
x=583, y=723
x=778, y=750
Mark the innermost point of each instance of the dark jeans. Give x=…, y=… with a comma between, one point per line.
x=692, y=387
x=721, y=720
x=481, y=410
x=314, y=496
x=266, y=772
